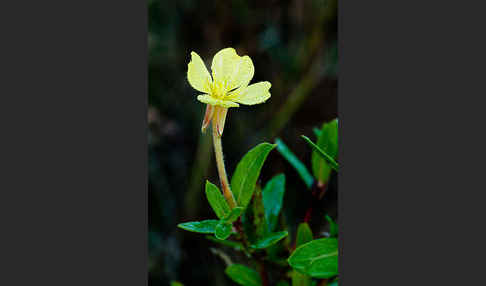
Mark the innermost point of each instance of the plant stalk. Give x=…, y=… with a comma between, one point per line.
x=223, y=178
x=263, y=273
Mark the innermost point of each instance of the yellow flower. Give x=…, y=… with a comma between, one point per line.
x=228, y=85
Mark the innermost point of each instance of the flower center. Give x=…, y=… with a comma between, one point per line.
x=221, y=89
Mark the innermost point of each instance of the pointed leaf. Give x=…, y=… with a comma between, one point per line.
x=176, y=283
x=272, y=196
x=223, y=230
x=283, y=283
x=304, y=234
x=328, y=143
x=332, y=163
x=304, y=174
x=205, y=226
x=243, y=275
x=247, y=172
x=269, y=240
x=217, y=200
x=318, y=258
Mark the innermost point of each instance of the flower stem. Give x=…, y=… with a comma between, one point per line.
x=218, y=151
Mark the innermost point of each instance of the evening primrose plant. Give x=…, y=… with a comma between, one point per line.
x=228, y=86
x=246, y=212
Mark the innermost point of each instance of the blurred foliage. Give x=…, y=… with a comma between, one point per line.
x=293, y=45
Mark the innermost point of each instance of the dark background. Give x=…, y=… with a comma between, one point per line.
x=293, y=44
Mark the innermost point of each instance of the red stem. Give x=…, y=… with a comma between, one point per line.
x=308, y=215
x=317, y=192
x=263, y=274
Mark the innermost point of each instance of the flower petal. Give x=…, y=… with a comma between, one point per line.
x=222, y=62
x=242, y=73
x=197, y=74
x=253, y=94
x=216, y=102
x=231, y=70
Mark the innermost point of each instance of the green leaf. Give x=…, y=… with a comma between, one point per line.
x=317, y=132
x=269, y=240
x=327, y=141
x=243, y=275
x=304, y=174
x=334, y=165
x=216, y=200
x=318, y=258
x=259, y=221
x=234, y=214
x=283, y=283
x=205, y=226
x=304, y=234
x=247, y=172
x=272, y=200
x=176, y=283
x=333, y=227
x=299, y=279
x=223, y=230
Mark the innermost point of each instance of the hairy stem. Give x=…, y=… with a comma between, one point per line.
x=223, y=178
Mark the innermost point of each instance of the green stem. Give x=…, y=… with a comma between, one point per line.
x=218, y=151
